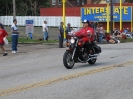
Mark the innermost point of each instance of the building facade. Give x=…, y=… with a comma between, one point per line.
x=69, y=3
x=74, y=9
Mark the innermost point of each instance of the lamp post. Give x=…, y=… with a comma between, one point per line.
x=64, y=16
x=14, y=9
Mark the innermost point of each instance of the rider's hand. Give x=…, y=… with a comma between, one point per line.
x=80, y=40
x=90, y=33
x=73, y=34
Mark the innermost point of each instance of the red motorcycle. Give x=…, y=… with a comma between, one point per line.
x=77, y=52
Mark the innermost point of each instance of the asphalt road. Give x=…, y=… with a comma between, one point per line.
x=37, y=72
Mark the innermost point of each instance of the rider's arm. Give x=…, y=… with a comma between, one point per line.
x=78, y=33
x=89, y=32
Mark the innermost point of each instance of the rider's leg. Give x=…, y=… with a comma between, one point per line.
x=88, y=48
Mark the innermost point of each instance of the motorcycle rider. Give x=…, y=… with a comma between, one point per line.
x=86, y=35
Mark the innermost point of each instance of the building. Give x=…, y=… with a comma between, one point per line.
x=72, y=7
x=69, y=3
x=118, y=1
x=101, y=17
x=75, y=9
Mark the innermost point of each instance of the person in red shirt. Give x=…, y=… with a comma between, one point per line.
x=122, y=30
x=86, y=34
x=107, y=35
x=3, y=34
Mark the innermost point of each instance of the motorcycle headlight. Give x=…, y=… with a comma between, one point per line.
x=72, y=40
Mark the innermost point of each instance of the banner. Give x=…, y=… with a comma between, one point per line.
x=100, y=13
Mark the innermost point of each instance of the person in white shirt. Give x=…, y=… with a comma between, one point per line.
x=45, y=31
x=15, y=35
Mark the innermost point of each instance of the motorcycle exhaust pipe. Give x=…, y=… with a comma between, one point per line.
x=88, y=59
x=81, y=60
x=93, y=55
x=91, y=58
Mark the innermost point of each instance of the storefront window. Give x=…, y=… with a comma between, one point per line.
x=53, y=2
x=83, y=2
x=78, y=2
x=59, y=2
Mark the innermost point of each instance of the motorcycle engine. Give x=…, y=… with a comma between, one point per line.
x=85, y=56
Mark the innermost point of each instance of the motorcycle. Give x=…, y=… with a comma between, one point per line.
x=76, y=53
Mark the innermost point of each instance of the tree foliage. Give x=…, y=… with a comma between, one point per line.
x=131, y=1
x=23, y=7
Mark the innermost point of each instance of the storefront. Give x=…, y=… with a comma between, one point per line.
x=98, y=13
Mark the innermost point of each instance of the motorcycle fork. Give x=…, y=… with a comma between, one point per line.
x=73, y=53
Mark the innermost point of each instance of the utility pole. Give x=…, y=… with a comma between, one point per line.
x=111, y=18
x=120, y=14
x=14, y=9
x=108, y=12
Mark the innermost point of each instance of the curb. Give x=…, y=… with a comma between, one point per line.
x=36, y=43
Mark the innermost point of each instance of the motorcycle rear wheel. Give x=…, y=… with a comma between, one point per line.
x=92, y=61
x=68, y=62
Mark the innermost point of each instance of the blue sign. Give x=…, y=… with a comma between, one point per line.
x=100, y=14
x=29, y=21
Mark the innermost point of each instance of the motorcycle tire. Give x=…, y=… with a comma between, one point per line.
x=92, y=61
x=68, y=62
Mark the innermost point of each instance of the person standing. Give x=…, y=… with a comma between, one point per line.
x=45, y=31
x=2, y=26
x=3, y=34
x=97, y=33
x=101, y=33
x=61, y=35
x=68, y=29
x=15, y=35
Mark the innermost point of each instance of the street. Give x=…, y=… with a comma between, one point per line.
x=37, y=72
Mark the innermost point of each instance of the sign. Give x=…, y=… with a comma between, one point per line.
x=29, y=26
x=100, y=13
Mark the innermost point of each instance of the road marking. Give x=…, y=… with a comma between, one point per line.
x=59, y=79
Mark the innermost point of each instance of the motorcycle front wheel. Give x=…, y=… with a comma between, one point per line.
x=67, y=60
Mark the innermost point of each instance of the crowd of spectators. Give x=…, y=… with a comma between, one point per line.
x=102, y=36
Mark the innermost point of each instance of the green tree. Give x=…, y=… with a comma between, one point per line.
x=130, y=0
x=6, y=7
x=23, y=7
